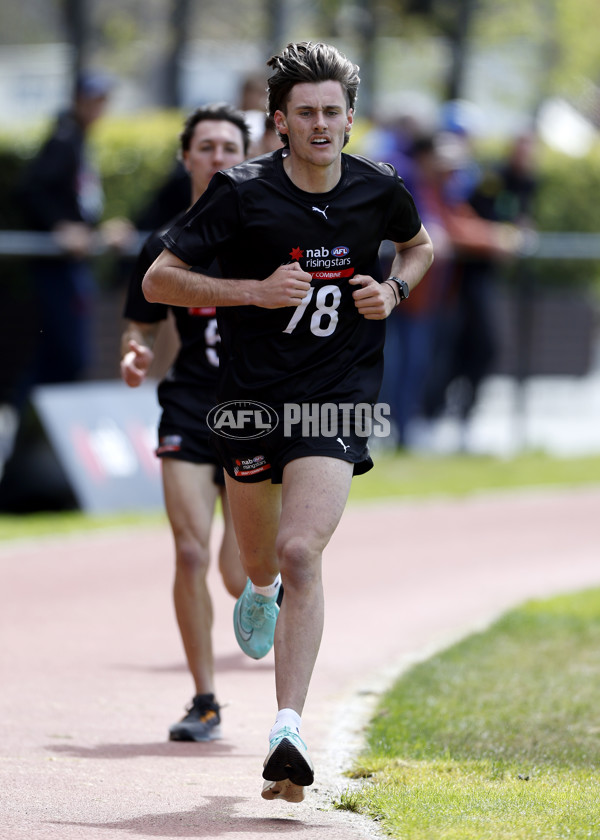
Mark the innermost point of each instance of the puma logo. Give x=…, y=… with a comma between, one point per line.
x=346, y=448
x=324, y=212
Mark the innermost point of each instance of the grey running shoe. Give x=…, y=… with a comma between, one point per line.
x=201, y=723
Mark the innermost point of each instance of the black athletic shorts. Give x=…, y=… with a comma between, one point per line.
x=183, y=443
x=259, y=457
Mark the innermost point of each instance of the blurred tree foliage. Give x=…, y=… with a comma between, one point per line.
x=562, y=29
x=566, y=202
x=136, y=154
x=566, y=195
x=130, y=36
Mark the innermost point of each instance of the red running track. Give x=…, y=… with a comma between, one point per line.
x=92, y=667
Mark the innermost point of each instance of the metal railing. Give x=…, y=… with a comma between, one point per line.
x=29, y=243
x=547, y=245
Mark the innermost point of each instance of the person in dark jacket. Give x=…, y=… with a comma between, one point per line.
x=62, y=195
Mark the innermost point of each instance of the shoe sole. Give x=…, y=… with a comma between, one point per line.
x=213, y=734
x=286, y=762
x=283, y=789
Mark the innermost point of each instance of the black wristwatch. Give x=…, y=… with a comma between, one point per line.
x=403, y=290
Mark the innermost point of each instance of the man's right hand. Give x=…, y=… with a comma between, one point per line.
x=287, y=286
x=135, y=364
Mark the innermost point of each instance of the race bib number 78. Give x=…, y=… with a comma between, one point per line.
x=324, y=317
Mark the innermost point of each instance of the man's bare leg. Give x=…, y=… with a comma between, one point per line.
x=315, y=491
x=255, y=509
x=292, y=540
x=190, y=496
x=232, y=571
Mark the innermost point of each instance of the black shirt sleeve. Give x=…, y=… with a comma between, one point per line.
x=137, y=308
x=208, y=226
x=404, y=221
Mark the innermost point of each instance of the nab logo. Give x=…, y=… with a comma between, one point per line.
x=242, y=419
x=340, y=251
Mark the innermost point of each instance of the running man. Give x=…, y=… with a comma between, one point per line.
x=302, y=309
x=213, y=137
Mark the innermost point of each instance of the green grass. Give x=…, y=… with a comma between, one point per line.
x=394, y=476
x=459, y=475
x=33, y=525
x=497, y=737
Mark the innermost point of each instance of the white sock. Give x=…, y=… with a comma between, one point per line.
x=286, y=717
x=269, y=591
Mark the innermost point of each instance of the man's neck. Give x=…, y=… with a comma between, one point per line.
x=312, y=179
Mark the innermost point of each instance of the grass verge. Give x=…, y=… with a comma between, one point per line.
x=394, y=476
x=497, y=737
x=397, y=476
x=33, y=525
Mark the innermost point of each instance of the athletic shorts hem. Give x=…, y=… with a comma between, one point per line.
x=245, y=473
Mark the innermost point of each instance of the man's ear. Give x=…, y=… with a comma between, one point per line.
x=349, y=120
x=280, y=122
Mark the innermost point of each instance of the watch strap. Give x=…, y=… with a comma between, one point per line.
x=402, y=287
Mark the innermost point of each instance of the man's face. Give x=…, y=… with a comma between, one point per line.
x=215, y=145
x=88, y=109
x=316, y=121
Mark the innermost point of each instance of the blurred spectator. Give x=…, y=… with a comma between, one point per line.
x=443, y=334
x=465, y=342
x=62, y=194
x=391, y=141
x=507, y=190
x=172, y=196
x=507, y=193
x=214, y=137
x=270, y=140
x=253, y=103
x=459, y=125
x=411, y=328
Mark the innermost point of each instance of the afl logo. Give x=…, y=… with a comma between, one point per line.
x=340, y=251
x=242, y=419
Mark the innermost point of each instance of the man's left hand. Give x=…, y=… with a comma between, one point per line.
x=373, y=300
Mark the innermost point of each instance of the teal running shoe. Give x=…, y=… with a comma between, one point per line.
x=288, y=760
x=254, y=620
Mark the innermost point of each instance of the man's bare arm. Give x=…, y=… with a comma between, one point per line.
x=141, y=333
x=169, y=280
x=375, y=301
x=137, y=354
x=413, y=258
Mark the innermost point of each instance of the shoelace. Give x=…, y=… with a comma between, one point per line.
x=286, y=732
x=202, y=714
x=256, y=613
x=202, y=709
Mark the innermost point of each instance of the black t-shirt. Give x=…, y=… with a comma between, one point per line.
x=253, y=218
x=197, y=361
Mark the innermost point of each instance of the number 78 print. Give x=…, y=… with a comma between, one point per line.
x=324, y=309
